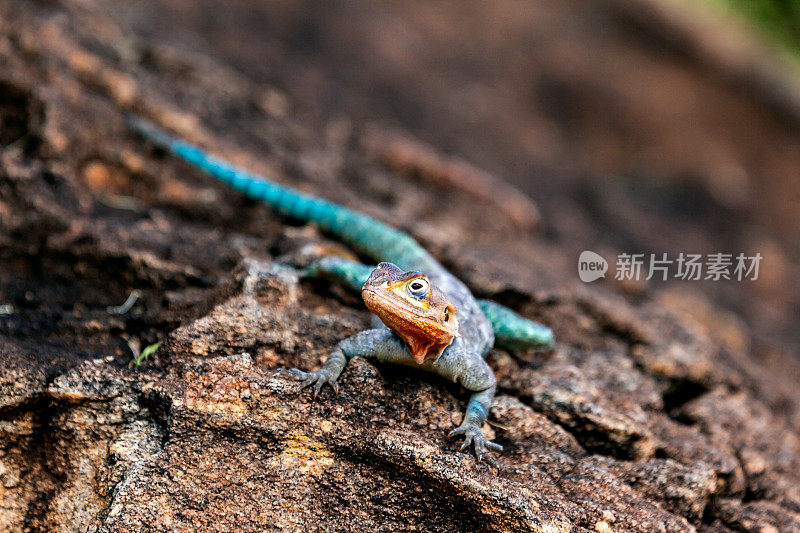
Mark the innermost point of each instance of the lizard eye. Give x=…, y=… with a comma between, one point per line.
x=418, y=287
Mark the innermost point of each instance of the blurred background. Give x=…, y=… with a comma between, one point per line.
x=637, y=126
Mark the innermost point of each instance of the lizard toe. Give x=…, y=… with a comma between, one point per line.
x=490, y=460
x=291, y=373
x=494, y=446
x=320, y=381
x=307, y=383
x=456, y=432
x=474, y=438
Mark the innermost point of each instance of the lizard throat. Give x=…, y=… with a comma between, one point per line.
x=423, y=348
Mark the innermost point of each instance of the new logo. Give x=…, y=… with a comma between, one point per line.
x=591, y=266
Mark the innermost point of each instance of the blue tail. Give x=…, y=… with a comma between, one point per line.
x=367, y=235
x=514, y=331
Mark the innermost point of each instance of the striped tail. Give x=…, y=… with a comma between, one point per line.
x=365, y=234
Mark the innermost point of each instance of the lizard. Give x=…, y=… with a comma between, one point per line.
x=428, y=318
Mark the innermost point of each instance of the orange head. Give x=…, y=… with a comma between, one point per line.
x=412, y=307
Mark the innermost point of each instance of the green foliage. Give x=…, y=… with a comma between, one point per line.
x=147, y=352
x=779, y=19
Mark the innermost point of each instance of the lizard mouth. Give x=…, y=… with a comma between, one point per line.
x=381, y=305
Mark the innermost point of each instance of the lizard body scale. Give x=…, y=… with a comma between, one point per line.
x=412, y=320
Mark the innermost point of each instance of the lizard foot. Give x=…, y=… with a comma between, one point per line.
x=474, y=436
x=317, y=378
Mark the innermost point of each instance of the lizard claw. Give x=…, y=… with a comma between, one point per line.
x=317, y=378
x=473, y=436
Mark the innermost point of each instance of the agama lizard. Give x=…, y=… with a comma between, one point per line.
x=430, y=319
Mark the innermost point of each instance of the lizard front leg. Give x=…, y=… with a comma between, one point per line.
x=470, y=428
x=476, y=375
x=380, y=344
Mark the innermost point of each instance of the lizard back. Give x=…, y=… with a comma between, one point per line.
x=364, y=233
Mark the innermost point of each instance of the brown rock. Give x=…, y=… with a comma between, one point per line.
x=649, y=415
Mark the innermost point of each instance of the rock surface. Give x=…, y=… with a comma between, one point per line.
x=653, y=415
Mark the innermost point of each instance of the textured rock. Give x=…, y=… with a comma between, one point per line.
x=650, y=414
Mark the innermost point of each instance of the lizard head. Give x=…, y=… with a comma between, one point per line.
x=412, y=307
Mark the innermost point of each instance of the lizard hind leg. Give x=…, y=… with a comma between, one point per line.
x=349, y=274
x=513, y=331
